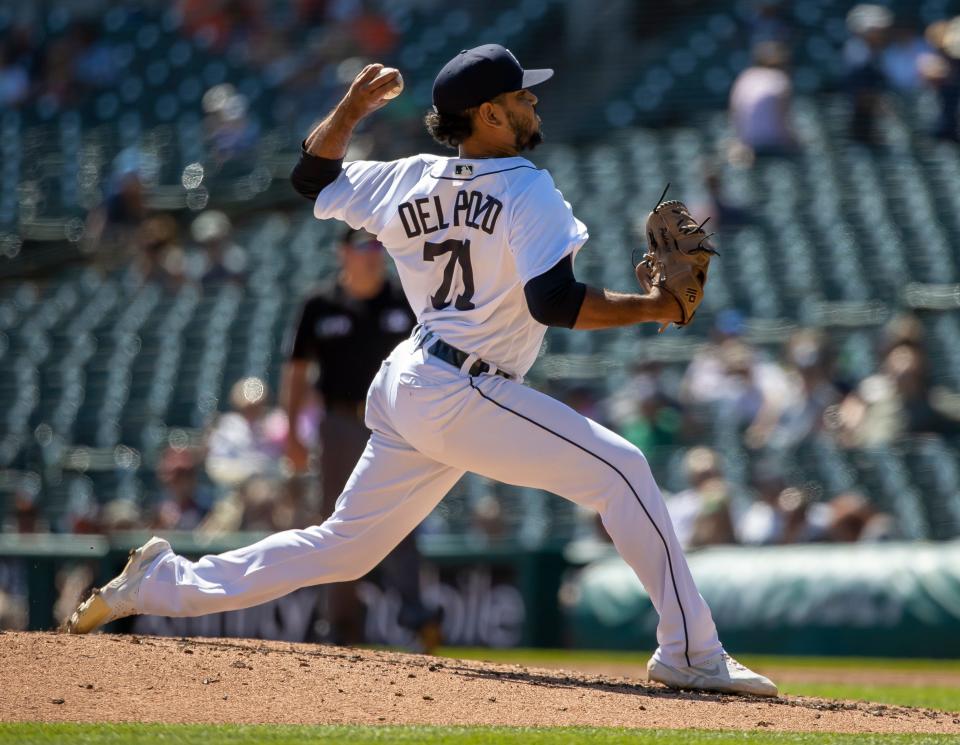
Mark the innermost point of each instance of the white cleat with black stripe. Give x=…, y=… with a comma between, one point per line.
x=722, y=674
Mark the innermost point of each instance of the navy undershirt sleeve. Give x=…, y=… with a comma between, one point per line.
x=312, y=174
x=554, y=297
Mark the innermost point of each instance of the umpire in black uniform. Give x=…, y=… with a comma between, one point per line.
x=347, y=330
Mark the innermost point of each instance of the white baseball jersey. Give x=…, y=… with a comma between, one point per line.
x=466, y=235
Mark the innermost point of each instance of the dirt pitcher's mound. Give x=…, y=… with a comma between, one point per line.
x=53, y=677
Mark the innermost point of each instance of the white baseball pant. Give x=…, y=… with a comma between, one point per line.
x=430, y=424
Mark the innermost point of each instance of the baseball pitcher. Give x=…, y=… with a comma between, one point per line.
x=484, y=245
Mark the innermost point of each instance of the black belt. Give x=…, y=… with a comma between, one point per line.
x=453, y=356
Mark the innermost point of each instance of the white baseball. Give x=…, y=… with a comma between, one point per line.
x=397, y=89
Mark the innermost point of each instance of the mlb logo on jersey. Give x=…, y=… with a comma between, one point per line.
x=464, y=170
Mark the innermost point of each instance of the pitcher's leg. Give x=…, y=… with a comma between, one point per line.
x=392, y=489
x=517, y=435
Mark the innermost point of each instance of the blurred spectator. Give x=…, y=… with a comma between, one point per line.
x=780, y=513
x=656, y=423
x=248, y=441
x=760, y=523
x=160, y=259
x=183, y=501
x=245, y=459
x=701, y=515
x=801, y=520
x=904, y=328
x=83, y=513
x=787, y=420
x=25, y=514
x=902, y=57
x=737, y=381
x=112, y=225
x=231, y=136
x=258, y=504
x=646, y=414
x=706, y=371
x=941, y=70
x=895, y=401
x=760, y=103
x=120, y=514
x=869, y=27
x=221, y=260
x=724, y=215
x=751, y=384
x=853, y=518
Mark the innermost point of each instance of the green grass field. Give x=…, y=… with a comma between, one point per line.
x=929, y=697
x=908, y=695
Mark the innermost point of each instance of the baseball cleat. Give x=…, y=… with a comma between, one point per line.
x=722, y=674
x=117, y=598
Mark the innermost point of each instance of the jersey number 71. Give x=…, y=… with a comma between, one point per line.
x=459, y=254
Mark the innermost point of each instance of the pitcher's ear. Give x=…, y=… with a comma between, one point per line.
x=487, y=113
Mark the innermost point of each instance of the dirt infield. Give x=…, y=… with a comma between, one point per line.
x=53, y=677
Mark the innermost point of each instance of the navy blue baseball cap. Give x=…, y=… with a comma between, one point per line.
x=479, y=74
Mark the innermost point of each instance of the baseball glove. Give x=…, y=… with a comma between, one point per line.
x=678, y=256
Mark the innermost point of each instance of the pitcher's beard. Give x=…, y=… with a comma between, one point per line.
x=525, y=137
x=533, y=140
